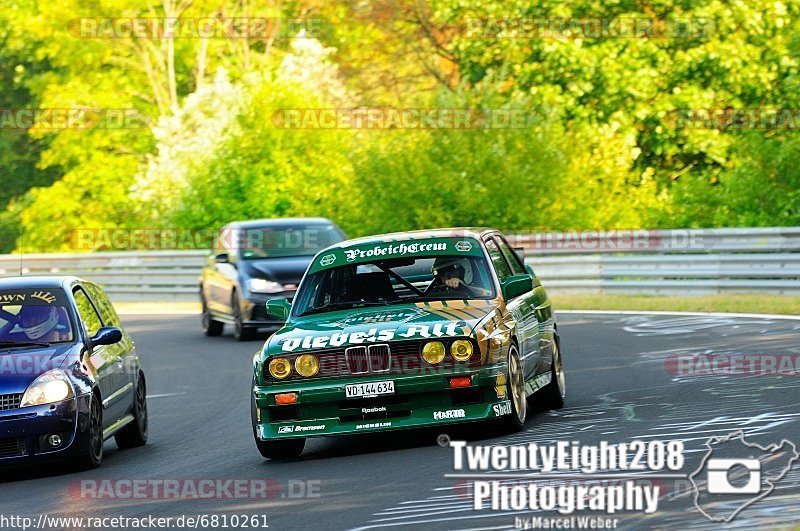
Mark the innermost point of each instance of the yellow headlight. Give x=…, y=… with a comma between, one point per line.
x=280, y=368
x=433, y=352
x=461, y=350
x=306, y=365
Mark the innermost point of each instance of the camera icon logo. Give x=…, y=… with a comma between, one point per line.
x=720, y=472
x=736, y=473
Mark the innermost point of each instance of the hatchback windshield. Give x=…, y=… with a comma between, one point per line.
x=283, y=241
x=395, y=281
x=32, y=317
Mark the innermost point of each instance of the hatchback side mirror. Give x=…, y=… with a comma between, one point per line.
x=108, y=335
x=279, y=309
x=222, y=258
x=516, y=285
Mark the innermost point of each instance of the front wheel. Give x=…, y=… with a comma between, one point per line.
x=516, y=392
x=92, y=455
x=240, y=331
x=285, y=449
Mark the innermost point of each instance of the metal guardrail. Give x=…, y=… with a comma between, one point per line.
x=126, y=275
x=677, y=262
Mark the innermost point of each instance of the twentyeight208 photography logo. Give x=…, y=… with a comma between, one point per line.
x=735, y=474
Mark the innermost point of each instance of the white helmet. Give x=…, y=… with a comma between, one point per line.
x=458, y=263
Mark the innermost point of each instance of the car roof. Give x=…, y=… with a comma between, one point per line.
x=38, y=281
x=276, y=222
x=457, y=232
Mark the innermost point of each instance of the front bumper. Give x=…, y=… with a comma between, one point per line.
x=419, y=400
x=23, y=430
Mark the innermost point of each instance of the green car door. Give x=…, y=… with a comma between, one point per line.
x=522, y=307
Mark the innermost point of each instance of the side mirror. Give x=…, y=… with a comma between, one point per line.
x=222, y=258
x=516, y=285
x=279, y=309
x=108, y=335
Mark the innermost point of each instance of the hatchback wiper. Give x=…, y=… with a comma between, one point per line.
x=23, y=344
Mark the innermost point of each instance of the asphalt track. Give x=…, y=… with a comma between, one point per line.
x=619, y=387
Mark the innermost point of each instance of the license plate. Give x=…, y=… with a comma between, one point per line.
x=369, y=389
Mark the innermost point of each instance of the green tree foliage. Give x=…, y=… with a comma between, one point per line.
x=603, y=85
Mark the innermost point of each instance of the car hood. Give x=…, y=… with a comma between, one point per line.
x=19, y=367
x=388, y=323
x=284, y=270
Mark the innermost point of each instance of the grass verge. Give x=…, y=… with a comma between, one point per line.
x=744, y=303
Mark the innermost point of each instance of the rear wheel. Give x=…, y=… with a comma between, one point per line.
x=553, y=394
x=92, y=455
x=135, y=433
x=516, y=392
x=240, y=331
x=285, y=449
x=211, y=327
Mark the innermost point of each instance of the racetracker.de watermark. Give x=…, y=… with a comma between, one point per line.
x=166, y=238
x=561, y=28
x=733, y=364
x=23, y=119
x=403, y=118
x=193, y=489
x=729, y=119
x=606, y=240
x=194, y=28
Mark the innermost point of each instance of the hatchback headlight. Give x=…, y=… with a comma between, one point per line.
x=433, y=352
x=306, y=365
x=260, y=285
x=53, y=386
x=461, y=350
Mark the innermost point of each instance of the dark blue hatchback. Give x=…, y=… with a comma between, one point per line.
x=69, y=374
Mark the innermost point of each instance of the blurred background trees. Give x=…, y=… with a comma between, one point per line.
x=603, y=146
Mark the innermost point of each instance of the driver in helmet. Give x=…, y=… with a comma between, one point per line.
x=450, y=273
x=40, y=323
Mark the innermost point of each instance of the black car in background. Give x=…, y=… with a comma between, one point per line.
x=253, y=262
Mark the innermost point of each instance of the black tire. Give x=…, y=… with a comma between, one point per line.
x=515, y=389
x=286, y=449
x=92, y=454
x=552, y=396
x=211, y=327
x=135, y=433
x=240, y=331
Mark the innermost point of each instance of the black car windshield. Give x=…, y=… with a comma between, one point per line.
x=282, y=241
x=395, y=281
x=33, y=317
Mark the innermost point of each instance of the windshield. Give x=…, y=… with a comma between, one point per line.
x=285, y=241
x=33, y=317
x=395, y=281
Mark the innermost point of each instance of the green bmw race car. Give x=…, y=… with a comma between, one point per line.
x=406, y=330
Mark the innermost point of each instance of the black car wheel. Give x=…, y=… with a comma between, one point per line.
x=92, y=455
x=285, y=449
x=135, y=433
x=553, y=394
x=211, y=327
x=516, y=392
x=240, y=331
